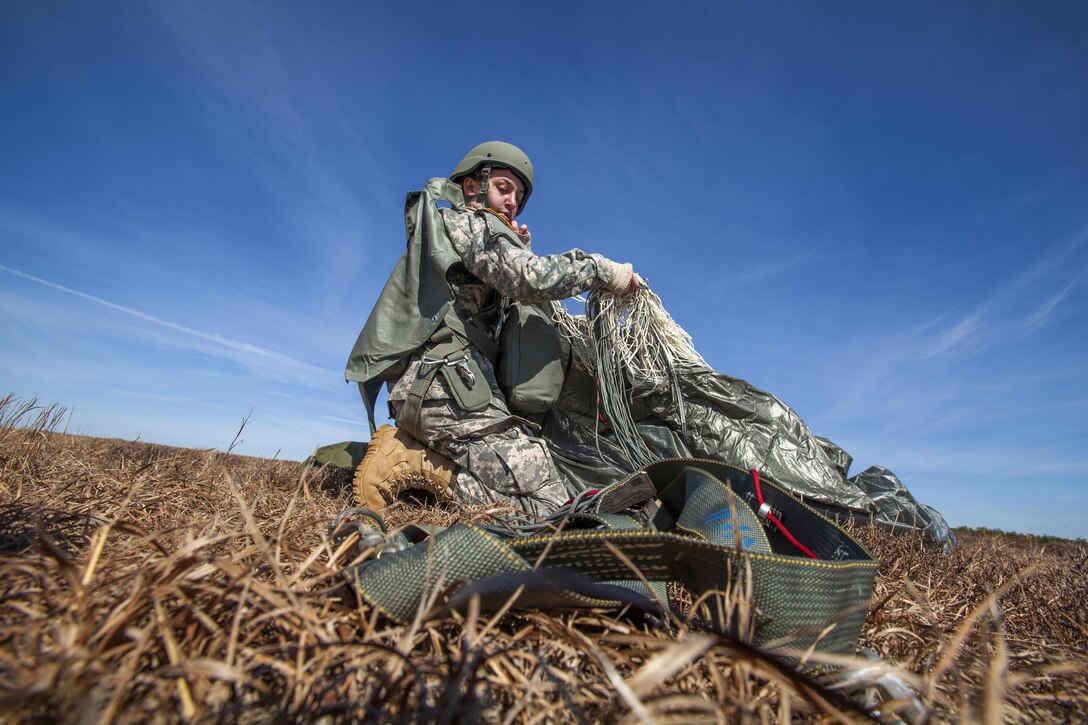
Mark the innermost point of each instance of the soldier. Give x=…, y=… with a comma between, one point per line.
x=433, y=339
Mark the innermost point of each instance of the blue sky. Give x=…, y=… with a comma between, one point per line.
x=876, y=211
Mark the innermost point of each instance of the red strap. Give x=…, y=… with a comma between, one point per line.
x=771, y=517
x=587, y=494
x=597, y=402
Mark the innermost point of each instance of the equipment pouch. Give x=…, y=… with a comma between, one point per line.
x=530, y=368
x=466, y=381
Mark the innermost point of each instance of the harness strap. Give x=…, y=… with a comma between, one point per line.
x=444, y=350
x=473, y=332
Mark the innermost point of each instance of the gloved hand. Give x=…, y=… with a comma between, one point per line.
x=624, y=280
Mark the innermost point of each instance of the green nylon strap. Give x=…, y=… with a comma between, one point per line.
x=701, y=533
x=450, y=339
x=474, y=333
x=412, y=407
x=447, y=348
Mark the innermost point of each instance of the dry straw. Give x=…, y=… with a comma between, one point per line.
x=145, y=583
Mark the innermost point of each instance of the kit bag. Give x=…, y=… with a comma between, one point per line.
x=713, y=528
x=530, y=365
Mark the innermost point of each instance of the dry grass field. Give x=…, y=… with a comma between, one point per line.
x=142, y=583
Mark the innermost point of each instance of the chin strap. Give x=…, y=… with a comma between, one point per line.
x=485, y=180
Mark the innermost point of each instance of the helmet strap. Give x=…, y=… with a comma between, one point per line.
x=485, y=179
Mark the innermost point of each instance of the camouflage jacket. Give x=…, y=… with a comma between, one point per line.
x=498, y=260
x=497, y=263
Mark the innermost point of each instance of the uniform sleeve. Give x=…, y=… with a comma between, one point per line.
x=518, y=273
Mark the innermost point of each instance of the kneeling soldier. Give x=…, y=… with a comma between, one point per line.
x=433, y=339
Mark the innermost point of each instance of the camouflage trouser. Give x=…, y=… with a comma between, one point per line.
x=499, y=460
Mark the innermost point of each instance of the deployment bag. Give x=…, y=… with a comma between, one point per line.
x=730, y=538
x=530, y=366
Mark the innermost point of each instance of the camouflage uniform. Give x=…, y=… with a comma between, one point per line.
x=498, y=457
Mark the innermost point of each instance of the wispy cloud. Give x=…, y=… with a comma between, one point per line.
x=32, y=231
x=304, y=370
x=918, y=375
x=165, y=398
x=296, y=135
x=954, y=336
x=774, y=269
x=1047, y=306
x=1016, y=309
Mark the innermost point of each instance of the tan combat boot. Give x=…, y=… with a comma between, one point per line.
x=396, y=462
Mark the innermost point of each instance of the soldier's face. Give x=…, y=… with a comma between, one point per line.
x=504, y=191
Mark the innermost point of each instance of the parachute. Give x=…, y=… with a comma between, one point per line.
x=637, y=391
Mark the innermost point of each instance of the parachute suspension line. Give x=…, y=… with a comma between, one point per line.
x=616, y=389
x=633, y=348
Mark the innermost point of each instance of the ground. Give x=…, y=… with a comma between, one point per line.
x=143, y=582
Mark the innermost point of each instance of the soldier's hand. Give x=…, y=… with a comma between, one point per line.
x=633, y=285
x=624, y=281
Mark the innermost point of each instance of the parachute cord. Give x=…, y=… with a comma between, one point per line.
x=633, y=348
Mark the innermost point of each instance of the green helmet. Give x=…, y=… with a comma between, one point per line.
x=498, y=154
